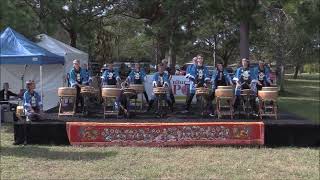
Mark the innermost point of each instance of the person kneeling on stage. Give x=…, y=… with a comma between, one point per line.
x=77, y=79
x=220, y=77
x=246, y=79
x=32, y=103
x=137, y=76
x=263, y=75
x=160, y=79
x=199, y=77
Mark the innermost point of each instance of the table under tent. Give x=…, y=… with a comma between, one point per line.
x=22, y=60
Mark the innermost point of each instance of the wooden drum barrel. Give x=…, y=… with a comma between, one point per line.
x=160, y=90
x=19, y=111
x=269, y=88
x=111, y=92
x=224, y=93
x=202, y=91
x=129, y=91
x=246, y=92
x=67, y=91
x=88, y=90
x=268, y=95
x=139, y=88
x=225, y=87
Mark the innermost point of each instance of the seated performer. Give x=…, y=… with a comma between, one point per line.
x=110, y=76
x=137, y=76
x=160, y=79
x=220, y=77
x=32, y=103
x=245, y=78
x=87, y=80
x=263, y=75
x=199, y=77
x=5, y=93
x=77, y=79
x=169, y=71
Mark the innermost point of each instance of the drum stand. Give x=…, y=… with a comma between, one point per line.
x=67, y=113
x=245, y=103
x=224, y=106
x=268, y=107
x=203, y=103
x=161, y=104
x=141, y=103
x=112, y=101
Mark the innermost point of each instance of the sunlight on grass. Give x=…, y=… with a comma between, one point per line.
x=67, y=162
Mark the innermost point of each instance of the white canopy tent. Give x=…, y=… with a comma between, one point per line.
x=62, y=49
x=21, y=60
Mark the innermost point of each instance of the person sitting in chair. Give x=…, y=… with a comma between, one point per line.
x=160, y=79
x=5, y=93
x=263, y=75
x=110, y=76
x=32, y=102
x=77, y=79
x=245, y=78
x=199, y=77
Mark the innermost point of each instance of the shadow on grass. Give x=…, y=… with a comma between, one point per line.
x=36, y=152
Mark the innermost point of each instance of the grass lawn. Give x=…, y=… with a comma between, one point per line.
x=302, y=96
x=67, y=162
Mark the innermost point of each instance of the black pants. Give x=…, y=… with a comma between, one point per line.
x=79, y=97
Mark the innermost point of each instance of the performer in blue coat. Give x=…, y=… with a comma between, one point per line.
x=220, y=77
x=137, y=76
x=160, y=79
x=170, y=72
x=245, y=78
x=199, y=77
x=32, y=102
x=77, y=78
x=110, y=76
x=191, y=66
x=263, y=75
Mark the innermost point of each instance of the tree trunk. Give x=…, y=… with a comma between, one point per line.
x=244, y=39
x=73, y=38
x=172, y=54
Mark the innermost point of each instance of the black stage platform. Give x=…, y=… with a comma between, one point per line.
x=288, y=130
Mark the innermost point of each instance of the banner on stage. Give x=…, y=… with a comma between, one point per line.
x=179, y=84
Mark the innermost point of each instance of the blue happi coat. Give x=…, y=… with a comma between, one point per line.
x=31, y=100
x=110, y=77
x=217, y=76
x=77, y=77
x=136, y=77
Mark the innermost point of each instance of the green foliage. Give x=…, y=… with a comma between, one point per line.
x=311, y=68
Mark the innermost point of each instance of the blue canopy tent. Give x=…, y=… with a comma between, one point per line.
x=15, y=49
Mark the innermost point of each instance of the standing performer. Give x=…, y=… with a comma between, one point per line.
x=220, y=77
x=263, y=75
x=169, y=71
x=137, y=76
x=32, y=103
x=87, y=75
x=199, y=77
x=246, y=79
x=110, y=76
x=77, y=79
x=160, y=79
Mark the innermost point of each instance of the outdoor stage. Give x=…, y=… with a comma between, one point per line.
x=177, y=129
